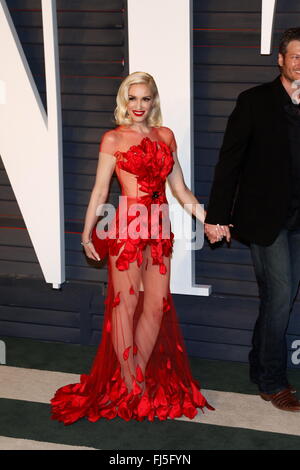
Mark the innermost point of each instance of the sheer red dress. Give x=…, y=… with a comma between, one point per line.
x=141, y=368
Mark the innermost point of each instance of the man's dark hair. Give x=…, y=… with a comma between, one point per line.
x=291, y=34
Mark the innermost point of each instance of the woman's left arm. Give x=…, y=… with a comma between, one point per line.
x=182, y=193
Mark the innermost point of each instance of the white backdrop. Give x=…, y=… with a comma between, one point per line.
x=268, y=8
x=160, y=43
x=31, y=141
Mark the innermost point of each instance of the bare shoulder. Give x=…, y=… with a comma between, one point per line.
x=110, y=142
x=167, y=135
x=166, y=132
x=110, y=137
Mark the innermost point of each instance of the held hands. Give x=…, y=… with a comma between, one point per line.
x=215, y=233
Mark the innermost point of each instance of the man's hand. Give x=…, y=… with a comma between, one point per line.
x=215, y=233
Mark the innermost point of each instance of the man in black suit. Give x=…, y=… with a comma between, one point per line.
x=256, y=194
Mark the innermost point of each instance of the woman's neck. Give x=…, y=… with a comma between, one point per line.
x=142, y=129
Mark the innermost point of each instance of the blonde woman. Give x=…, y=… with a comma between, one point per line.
x=141, y=368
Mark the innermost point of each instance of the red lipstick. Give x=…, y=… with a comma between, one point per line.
x=138, y=113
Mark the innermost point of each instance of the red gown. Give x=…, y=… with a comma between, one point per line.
x=141, y=369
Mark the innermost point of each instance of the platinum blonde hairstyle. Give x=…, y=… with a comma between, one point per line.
x=121, y=116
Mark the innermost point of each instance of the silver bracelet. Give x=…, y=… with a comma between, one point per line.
x=85, y=243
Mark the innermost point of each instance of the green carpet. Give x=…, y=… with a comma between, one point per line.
x=77, y=359
x=31, y=420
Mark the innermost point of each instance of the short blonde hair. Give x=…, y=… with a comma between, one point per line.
x=120, y=113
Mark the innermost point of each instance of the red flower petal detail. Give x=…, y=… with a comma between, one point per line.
x=162, y=412
x=166, y=305
x=151, y=415
x=139, y=374
x=109, y=413
x=116, y=374
x=169, y=364
x=108, y=326
x=179, y=347
x=135, y=349
x=198, y=398
x=131, y=290
x=124, y=411
x=144, y=406
x=162, y=268
x=160, y=398
x=116, y=300
x=175, y=411
x=189, y=409
x=136, y=388
x=150, y=162
x=139, y=258
x=103, y=400
x=126, y=353
x=115, y=391
x=123, y=389
x=183, y=387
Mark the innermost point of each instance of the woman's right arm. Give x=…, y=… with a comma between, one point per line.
x=105, y=170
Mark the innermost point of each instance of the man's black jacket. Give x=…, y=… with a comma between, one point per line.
x=252, y=182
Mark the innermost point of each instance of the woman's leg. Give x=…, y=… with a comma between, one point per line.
x=126, y=292
x=156, y=287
